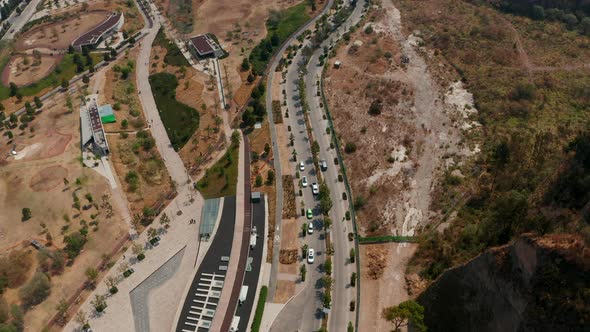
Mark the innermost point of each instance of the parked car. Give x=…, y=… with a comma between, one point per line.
x=155, y=241
x=310, y=256
x=309, y=214
x=310, y=228
x=304, y=181
x=315, y=189
x=301, y=166
x=323, y=165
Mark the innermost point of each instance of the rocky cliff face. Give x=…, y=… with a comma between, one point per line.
x=534, y=284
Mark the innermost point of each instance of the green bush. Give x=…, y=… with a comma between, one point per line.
x=180, y=120
x=259, y=309
x=74, y=244
x=174, y=56
x=280, y=26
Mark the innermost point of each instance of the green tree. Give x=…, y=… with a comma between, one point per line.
x=258, y=181
x=245, y=64
x=325, y=200
x=65, y=83
x=302, y=272
x=328, y=266
x=585, y=25
x=74, y=244
x=85, y=79
x=38, y=102
x=538, y=13
x=570, y=20
x=270, y=177
x=404, y=313
x=26, y=214
x=13, y=89
x=351, y=255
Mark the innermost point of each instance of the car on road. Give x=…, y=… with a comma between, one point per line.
x=310, y=256
x=301, y=166
x=304, y=181
x=309, y=214
x=315, y=189
x=310, y=228
x=323, y=165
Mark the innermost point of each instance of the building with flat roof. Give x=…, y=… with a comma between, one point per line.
x=91, y=130
x=203, y=46
x=92, y=38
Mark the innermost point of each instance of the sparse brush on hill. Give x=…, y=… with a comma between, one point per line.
x=532, y=173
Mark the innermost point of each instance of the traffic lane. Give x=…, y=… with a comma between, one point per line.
x=211, y=261
x=245, y=310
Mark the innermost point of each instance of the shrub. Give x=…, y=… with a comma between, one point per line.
x=74, y=244
x=36, y=290
x=258, y=181
x=26, y=214
x=375, y=108
x=369, y=29
x=259, y=309
x=350, y=147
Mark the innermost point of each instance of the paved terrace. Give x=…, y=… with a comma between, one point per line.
x=203, y=295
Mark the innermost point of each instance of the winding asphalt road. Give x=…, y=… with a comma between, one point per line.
x=275, y=150
x=17, y=22
x=342, y=293
x=296, y=313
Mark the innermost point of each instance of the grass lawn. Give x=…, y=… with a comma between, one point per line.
x=180, y=120
x=173, y=56
x=66, y=69
x=288, y=21
x=221, y=179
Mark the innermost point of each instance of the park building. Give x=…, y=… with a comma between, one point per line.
x=92, y=131
x=203, y=46
x=91, y=39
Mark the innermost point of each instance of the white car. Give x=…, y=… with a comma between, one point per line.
x=310, y=228
x=301, y=166
x=315, y=189
x=304, y=181
x=310, y=256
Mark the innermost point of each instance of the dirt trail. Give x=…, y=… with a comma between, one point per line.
x=525, y=60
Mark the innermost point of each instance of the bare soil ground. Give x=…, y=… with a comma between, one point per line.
x=154, y=182
x=34, y=178
x=285, y=290
x=389, y=289
x=116, y=90
x=399, y=151
x=59, y=35
x=22, y=74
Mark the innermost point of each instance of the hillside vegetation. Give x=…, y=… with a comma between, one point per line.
x=530, y=86
x=180, y=120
